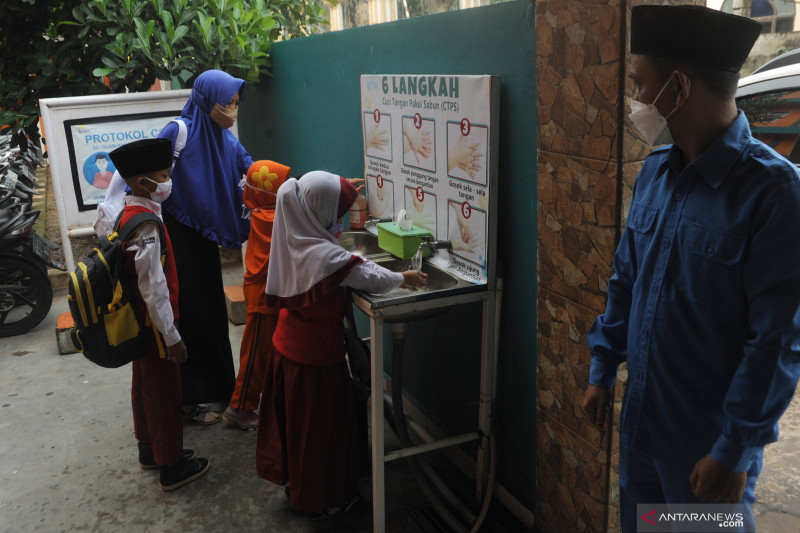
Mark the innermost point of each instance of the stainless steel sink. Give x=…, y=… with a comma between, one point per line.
x=438, y=279
x=405, y=305
x=362, y=243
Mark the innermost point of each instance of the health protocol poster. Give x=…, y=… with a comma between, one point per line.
x=427, y=149
x=90, y=140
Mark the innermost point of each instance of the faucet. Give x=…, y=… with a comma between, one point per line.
x=434, y=245
x=416, y=261
x=373, y=221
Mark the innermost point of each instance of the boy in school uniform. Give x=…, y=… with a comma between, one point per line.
x=156, y=387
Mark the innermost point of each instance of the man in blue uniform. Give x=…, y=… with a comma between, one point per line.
x=703, y=304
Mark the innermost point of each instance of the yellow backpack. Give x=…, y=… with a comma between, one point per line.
x=107, y=330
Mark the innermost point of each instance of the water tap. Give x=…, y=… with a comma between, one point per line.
x=416, y=261
x=373, y=221
x=434, y=245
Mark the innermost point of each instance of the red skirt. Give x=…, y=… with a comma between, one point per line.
x=307, y=433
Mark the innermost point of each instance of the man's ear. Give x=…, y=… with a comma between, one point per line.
x=684, y=88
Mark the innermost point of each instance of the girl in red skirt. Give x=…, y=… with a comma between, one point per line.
x=307, y=424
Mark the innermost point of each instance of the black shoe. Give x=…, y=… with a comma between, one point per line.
x=335, y=511
x=148, y=462
x=186, y=471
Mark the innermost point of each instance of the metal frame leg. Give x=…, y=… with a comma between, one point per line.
x=377, y=427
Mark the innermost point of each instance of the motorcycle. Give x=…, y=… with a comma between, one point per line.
x=25, y=291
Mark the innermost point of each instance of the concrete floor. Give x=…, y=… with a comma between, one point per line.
x=68, y=458
x=777, y=507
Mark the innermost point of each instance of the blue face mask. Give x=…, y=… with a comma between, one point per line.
x=336, y=229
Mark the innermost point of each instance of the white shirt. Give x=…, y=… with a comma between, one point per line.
x=146, y=245
x=372, y=278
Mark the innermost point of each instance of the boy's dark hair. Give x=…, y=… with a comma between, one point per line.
x=100, y=156
x=722, y=83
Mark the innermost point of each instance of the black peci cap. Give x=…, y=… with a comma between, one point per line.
x=141, y=157
x=695, y=34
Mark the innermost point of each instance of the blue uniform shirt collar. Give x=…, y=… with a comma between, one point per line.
x=715, y=163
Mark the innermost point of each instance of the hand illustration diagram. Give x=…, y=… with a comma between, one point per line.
x=465, y=239
x=465, y=155
x=377, y=138
x=418, y=215
x=417, y=142
x=379, y=204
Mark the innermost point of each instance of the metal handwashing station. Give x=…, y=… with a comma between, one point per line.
x=398, y=309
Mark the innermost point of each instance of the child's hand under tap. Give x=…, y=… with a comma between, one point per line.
x=414, y=279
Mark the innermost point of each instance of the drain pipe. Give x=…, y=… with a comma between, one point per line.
x=490, y=482
x=487, y=497
x=398, y=336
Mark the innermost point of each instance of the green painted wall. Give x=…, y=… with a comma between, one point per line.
x=308, y=116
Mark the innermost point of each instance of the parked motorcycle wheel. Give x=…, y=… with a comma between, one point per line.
x=25, y=295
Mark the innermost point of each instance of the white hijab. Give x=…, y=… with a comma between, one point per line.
x=303, y=251
x=109, y=208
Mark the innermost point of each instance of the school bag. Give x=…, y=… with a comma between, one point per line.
x=107, y=331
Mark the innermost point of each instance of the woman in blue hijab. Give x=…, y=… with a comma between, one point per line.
x=205, y=211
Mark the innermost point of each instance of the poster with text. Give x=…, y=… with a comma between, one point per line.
x=91, y=139
x=427, y=149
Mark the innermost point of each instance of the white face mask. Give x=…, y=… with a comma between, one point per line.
x=649, y=121
x=162, y=192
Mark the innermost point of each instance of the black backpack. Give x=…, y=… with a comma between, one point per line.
x=107, y=330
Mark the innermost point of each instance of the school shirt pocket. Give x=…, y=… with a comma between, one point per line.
x=641, y=223
x=712, y=266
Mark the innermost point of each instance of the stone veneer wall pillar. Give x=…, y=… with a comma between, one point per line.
x=587, y=162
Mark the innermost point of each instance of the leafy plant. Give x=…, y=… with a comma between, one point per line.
x=35, y=61
x=78, y=47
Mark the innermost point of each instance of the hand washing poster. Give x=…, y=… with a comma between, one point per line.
x=427, y=150
x=90, y=141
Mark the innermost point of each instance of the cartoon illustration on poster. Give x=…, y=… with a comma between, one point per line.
x=427, y=144
x=98, y=169
x=91, y=140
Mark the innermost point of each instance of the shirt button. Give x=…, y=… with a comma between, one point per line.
x=678, y=196
x=667, y=243
x=709, y=252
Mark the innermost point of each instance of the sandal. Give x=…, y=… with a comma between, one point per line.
x=246, y=420
x=199, y=415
